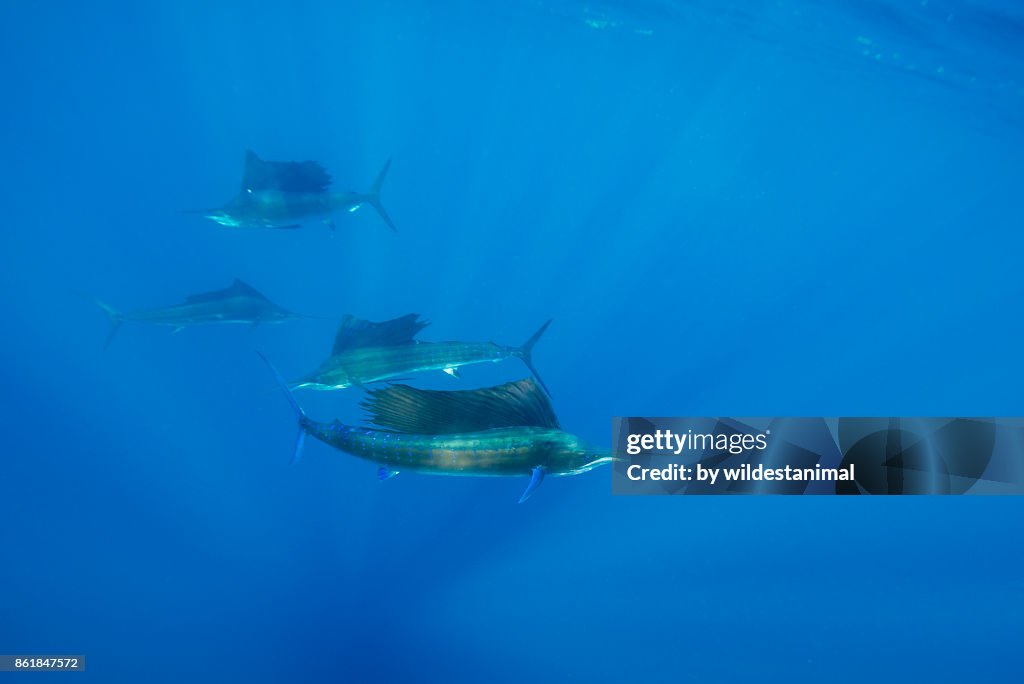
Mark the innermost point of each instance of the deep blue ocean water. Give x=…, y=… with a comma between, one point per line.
x=745, y=208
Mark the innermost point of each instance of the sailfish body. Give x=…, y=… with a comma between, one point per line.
x=503, y=431
x=276, y=209
x=496, y=452
x=287, y=194
x=366, y=352
x=237, y=303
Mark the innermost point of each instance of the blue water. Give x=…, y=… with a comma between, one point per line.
x=752, y=208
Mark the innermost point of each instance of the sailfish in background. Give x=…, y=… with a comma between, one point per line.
x=504, y=431
x=237, y=303
x=287, y=194
x=366, y=352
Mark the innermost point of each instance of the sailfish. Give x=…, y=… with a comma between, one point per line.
x=277, y=194
x=366, y=352
x=508, y=430
x=237, y=303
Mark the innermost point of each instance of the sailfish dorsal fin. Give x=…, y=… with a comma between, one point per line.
x=442, y=412
x=304, y=176
x=355, y=332
x=237, y=288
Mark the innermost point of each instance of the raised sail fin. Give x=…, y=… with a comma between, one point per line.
x=304, y=176
x=441, y=412
x=238, y=288
x=355, y=332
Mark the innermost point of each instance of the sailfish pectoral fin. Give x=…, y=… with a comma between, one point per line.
x=385, y=473
x=454, y=372
x=536, y=477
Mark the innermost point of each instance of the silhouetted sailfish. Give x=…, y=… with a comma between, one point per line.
x=237, y=303
x=287, y=194
x=366, y=352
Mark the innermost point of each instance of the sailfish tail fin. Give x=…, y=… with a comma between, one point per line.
x=373, y=196
x=525, y=352
x=115, y=318
x=301, y=439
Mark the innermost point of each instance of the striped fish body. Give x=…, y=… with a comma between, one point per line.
x=498, y=452
x=363, y=365
x=275, y=209
x=505, y=430
x=233, y=310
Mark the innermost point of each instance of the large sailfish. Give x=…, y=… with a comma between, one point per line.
x=504, y=431
x=278, y=194
x=366, y=352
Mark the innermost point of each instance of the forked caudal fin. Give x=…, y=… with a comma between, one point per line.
x=373, y=196
x=115, y=318
x=301, y=439
x=525, y=352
